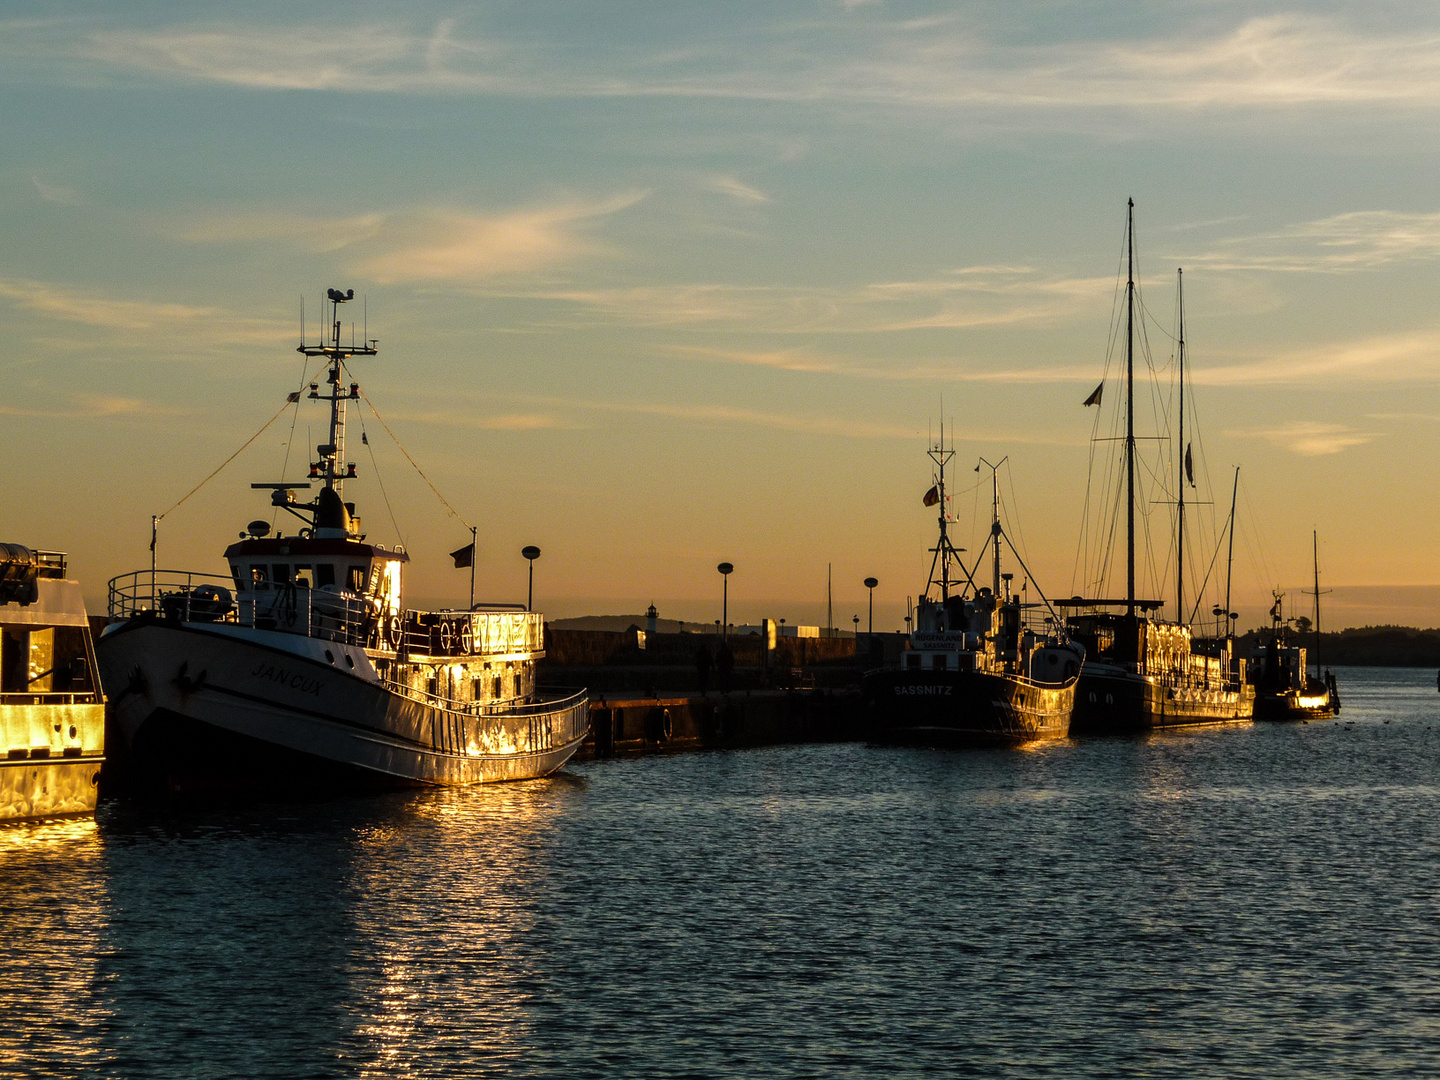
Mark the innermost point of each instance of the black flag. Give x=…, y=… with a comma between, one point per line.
x=932, y=496
x=464, y=557
x=1094, y=399
x=364, y=438
x=292, y=398
x=1189, y=466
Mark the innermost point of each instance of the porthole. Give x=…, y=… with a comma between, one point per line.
x=349, y=660
x=329, y=656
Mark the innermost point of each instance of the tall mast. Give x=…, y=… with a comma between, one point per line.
x=1230, y=560
x=995, y=530
x=331, y=467
x=943, y=550
x=1130, y=410
x=1315, y=547
x=1180, y=502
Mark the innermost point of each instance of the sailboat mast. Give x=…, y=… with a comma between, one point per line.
x=1230, y=560
x=1130, y=410
x=1315, y=547
x=1180, y=501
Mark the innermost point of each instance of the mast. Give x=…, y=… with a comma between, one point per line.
x=995, y=530
x=1130, y=410
x=1230, y=560
x=944, y=550
x=1315, y=548
x=1180, y=502
x=331, y=468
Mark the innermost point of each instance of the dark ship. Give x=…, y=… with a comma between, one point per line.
x=304, y=668
x=1280, y=672
x=1140, y=672
x=973, y=672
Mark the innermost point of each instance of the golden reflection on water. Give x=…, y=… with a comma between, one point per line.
x=448, y=974
x=53, y=908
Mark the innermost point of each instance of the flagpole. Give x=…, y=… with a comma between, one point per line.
x=472, y=567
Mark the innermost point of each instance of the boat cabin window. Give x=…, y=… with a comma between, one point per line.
x=499, y=687
x=324, y=574
x=304, y=576
x=938, y=661
x=259, y=574
x=282, y=573
x=912, y=661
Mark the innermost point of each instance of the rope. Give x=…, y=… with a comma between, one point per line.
x=227, y=461
x=365, y=439
x=415, y=466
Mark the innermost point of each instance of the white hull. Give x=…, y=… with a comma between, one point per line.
x=197, y=702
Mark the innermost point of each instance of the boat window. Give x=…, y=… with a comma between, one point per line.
x=304, y=576
x=14, y=661
x=499, y=687
x=477, y=689
x=912, y=661
x=938, y=661
x=239, y=580
x=324, y=574
x=357, y=579
x=259, y=574
x=282, y=573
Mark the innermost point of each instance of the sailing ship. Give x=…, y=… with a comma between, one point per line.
x=303, y=667
x=973, y=673
x=1141, y=672
x=52, y=712
x=1280, y=672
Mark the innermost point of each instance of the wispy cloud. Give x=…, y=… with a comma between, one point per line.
x=1358, y=240
x=1311, y=439
x=1273, y=61
x=429, y=244
x=88, y=308
x=807, y=361
x=965, y=298
x=734, y=187
x=1404, y=357
x=453, y=418
x=94, y=407
x=58, y=193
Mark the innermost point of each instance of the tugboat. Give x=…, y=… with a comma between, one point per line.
x=52, y=713
x=1142, y=673
x=972, y=673
x=1284, y=687
x=302, y=668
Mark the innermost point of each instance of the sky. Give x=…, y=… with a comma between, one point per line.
x=658, y=285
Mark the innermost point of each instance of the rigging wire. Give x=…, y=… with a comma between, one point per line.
x=421, y=472
x=290, y=440
x=375, y=467
x=228, y=460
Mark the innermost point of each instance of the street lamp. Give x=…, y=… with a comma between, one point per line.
x=856, y=620
x=870, y=584
x=531, y=553
x=725, y=569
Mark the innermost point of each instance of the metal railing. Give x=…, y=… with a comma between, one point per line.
x=325, y=613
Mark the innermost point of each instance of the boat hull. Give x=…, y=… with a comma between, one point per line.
x=1310, y=704
x=197, y=709
x=966, y=708
x=1113, y=701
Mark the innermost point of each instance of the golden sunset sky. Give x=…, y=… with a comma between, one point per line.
x=658, y=285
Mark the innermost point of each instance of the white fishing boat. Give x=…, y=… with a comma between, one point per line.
x=303, y=667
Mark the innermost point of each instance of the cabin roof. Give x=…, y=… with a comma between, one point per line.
x=299, y=547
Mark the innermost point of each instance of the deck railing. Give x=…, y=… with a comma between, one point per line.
x=324, y=613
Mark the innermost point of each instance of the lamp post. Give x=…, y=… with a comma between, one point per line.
x=725, y=569
x=856, y=620
x=870, y=584
x=531, y=553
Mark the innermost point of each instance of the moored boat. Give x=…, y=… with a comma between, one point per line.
x=52, y=712
x=973, y=672
x=1280, y=670
x=303, y=668
x=1142, y=672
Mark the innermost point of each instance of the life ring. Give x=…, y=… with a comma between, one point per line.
x=446, y=637
x=393, y=631
x=467, y=638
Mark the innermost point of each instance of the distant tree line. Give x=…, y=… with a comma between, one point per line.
x=1361, y=646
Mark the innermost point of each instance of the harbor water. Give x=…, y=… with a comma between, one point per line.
x=1260, y=900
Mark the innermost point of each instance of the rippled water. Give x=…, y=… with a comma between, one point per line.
x=1250, y=901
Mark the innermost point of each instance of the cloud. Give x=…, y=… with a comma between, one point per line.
x=965, y=298
x=1311, y=439
x=502, y=422
x=1278, y=61
x=1344, y=243
x=60, y=194
x=77, y=306
x=808, y=362
x=735, y=188
x=95, y=407
x=428, y=244
x=1404, y=357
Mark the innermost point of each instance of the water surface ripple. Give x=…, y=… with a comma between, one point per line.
x=1255, y=901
